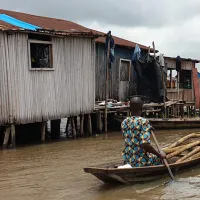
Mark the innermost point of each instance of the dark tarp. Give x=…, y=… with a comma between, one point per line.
x=149, y=80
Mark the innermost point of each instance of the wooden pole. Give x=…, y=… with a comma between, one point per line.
x=67, y=127
x=82, y=125
x=164, y=93
x=13, y=142
x=73, y=128
x=43, y=125
x=6, y=137
x=106, y=83
x=164, y=160
x=89, y=125
x=178, y=77
x=154, y=50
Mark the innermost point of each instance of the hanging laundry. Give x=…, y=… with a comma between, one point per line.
x=112, y=48
x=136, y=54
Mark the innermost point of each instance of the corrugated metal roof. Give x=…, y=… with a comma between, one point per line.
x=60, y=25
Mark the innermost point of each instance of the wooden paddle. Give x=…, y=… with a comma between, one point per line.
x=164, y=160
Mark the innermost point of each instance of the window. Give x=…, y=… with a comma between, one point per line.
x=125, y=70
x=186, y=79
x=40, y=52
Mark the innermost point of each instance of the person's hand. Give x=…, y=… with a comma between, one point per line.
x=162, y=155
x=152, y=128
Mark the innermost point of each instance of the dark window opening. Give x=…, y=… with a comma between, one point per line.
x=41, y=55
x=39, y=37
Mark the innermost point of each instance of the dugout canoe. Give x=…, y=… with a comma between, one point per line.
x=110, y=174
x=168, y=123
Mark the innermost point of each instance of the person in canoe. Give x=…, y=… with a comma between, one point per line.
x=138, y=151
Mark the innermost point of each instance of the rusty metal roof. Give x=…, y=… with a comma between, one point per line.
x=183, y=59
x=121, y=42
x=61, y=27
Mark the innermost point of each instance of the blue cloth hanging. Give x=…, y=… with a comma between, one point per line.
x=136, y=54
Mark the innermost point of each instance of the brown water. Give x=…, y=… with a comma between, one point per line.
x=55, y=171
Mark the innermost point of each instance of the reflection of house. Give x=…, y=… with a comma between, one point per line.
x=45, y=73
x=188, y=88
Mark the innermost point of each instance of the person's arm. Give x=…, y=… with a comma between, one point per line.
x=145, y=140
x=147, y=147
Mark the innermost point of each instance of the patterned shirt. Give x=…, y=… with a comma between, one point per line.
x=136, y=131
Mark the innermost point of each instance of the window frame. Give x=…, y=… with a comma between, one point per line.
x=31, y=41
x=129, y=70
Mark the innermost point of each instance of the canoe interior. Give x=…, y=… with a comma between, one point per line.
x=112, y=175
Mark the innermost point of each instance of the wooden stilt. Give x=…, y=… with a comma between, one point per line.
x=89, y=125
x=42, y=130
x=82, y=125
x=13, y=142
x=67, y=127
x=6, y=137
x=99, y=122
x=73, y=128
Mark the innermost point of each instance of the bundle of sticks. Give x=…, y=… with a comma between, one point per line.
x=185, y=149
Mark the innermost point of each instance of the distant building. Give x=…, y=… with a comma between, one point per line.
x=188, y=84
x=122, y=83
